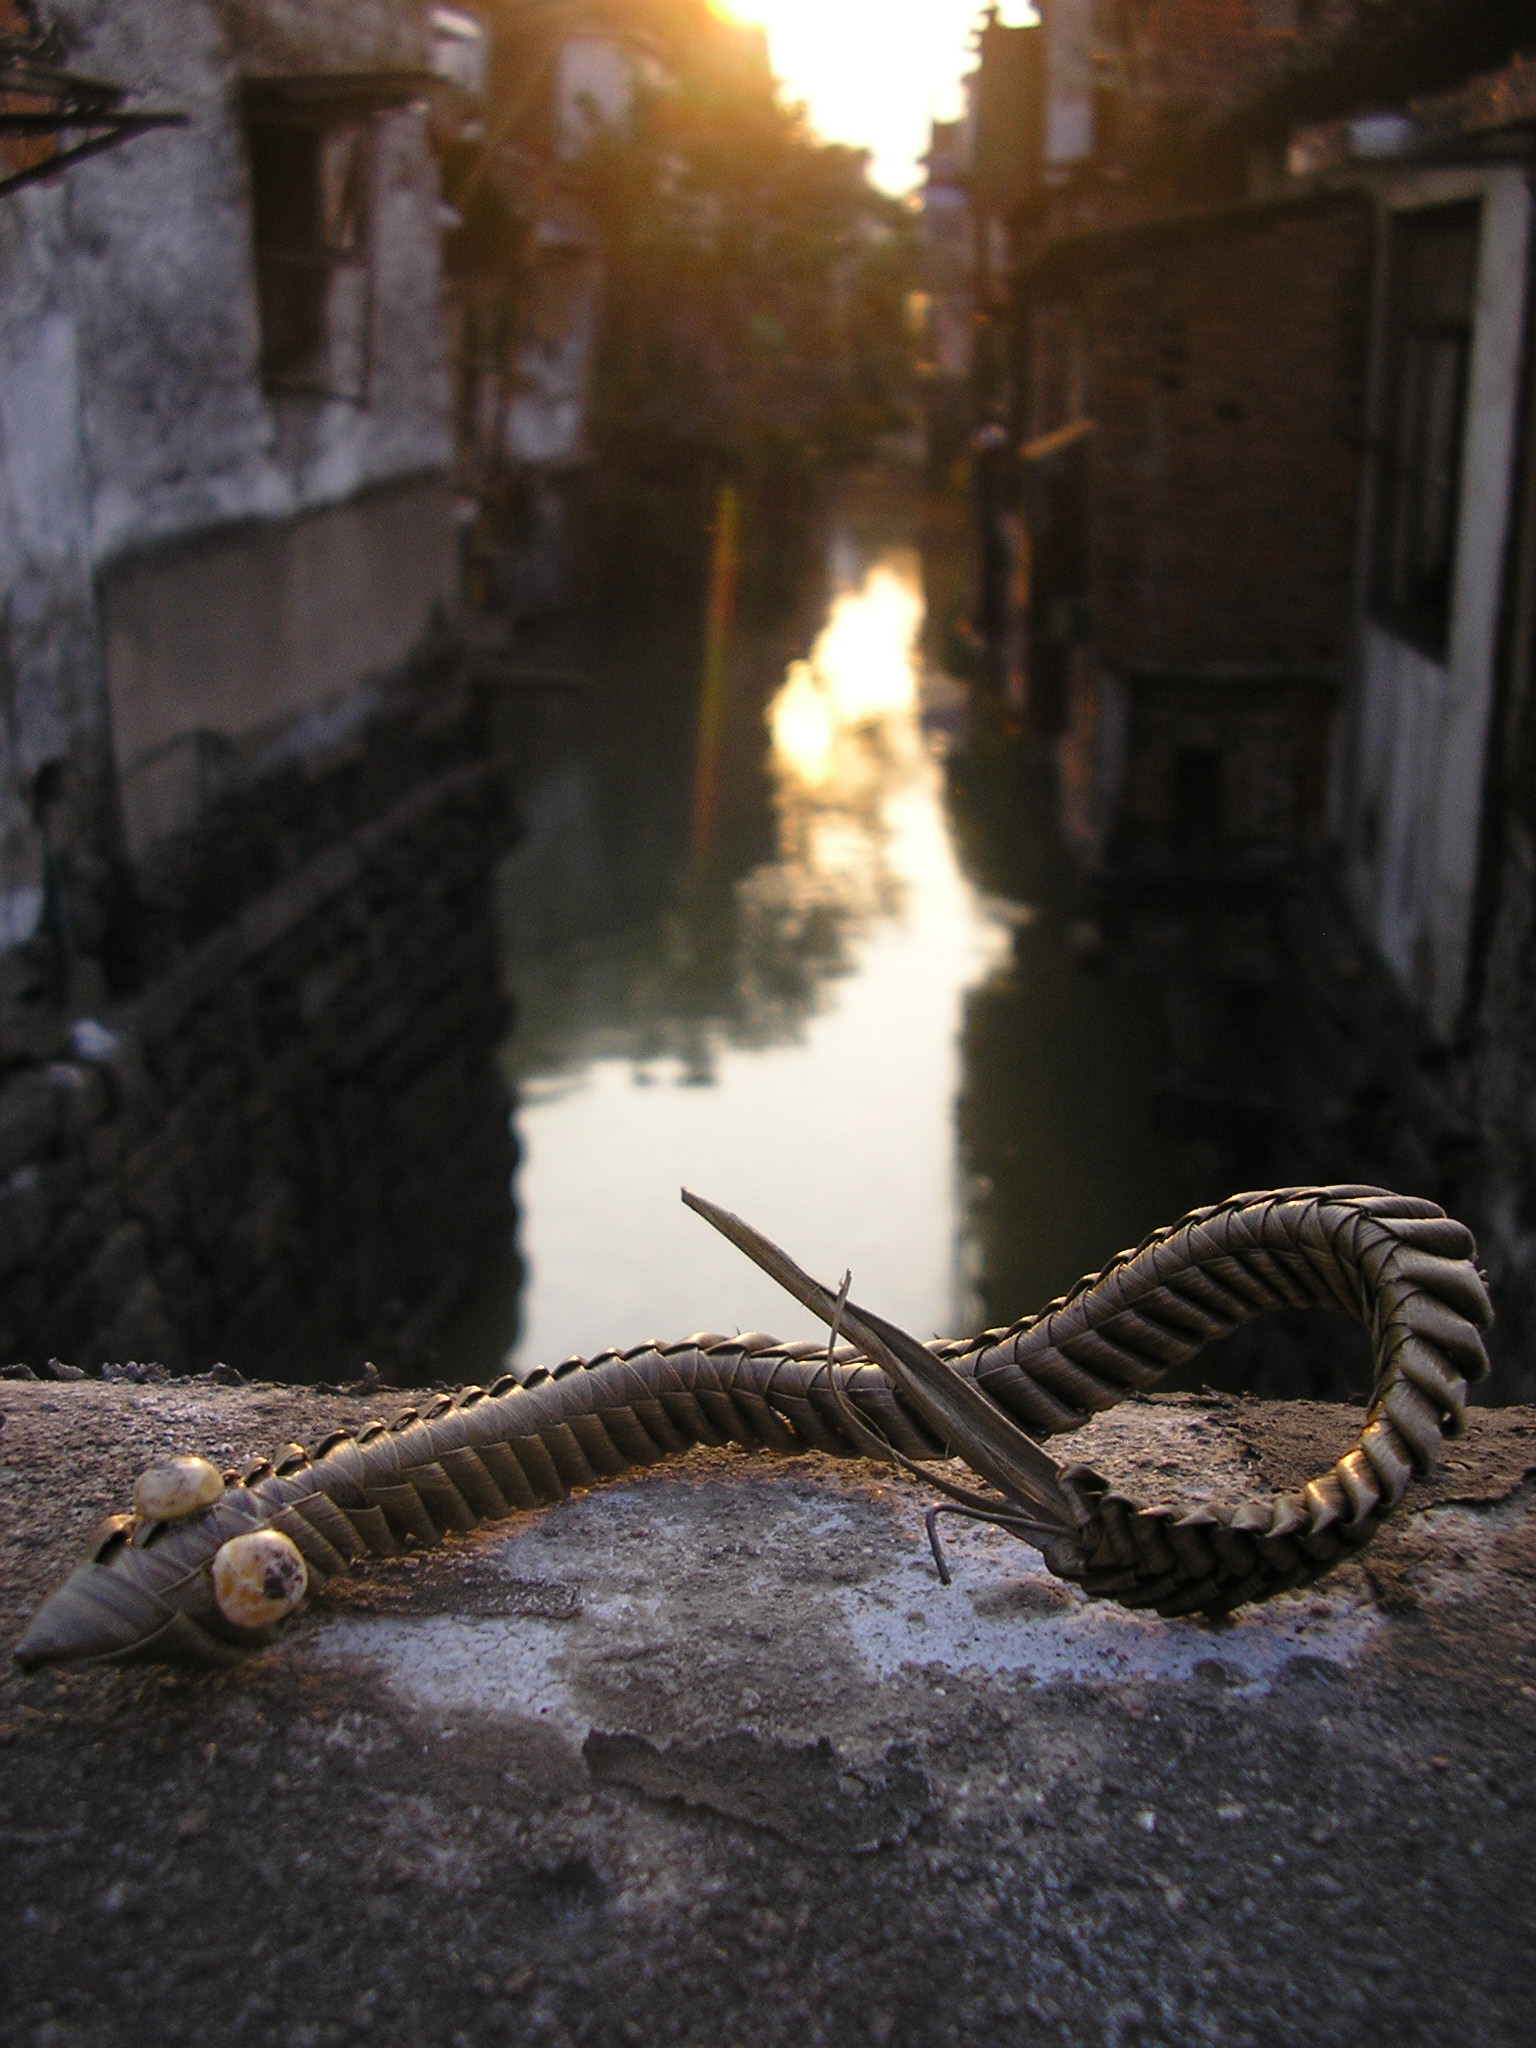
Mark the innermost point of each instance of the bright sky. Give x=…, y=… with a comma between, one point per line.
x=873, y=72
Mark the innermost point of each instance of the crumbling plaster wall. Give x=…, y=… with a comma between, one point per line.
x=133, y=419
x=52, y=690
x=179, y=434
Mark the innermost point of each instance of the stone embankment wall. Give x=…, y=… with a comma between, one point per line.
x=1293, y=1057
x=1496, y=1070
x=292, y=1145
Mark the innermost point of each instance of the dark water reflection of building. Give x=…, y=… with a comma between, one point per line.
x=859, y=1016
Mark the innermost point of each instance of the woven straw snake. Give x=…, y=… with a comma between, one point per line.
x=148, y=1588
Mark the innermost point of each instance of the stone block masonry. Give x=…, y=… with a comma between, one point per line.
x=291, y=1148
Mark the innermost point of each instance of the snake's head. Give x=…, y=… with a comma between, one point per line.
x=196, y=1580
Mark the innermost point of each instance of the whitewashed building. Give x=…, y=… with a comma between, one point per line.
x=1452, y=193
x=224, y=429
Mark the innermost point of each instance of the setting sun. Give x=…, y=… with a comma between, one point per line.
x=872, y=74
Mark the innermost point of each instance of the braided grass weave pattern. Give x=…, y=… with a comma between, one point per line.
x=1397, y=1264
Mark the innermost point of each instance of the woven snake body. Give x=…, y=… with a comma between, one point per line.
x=1398, y=1264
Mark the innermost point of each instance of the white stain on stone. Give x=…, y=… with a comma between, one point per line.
x=657, y=1569
x=488, y=1665
x=1005, y=1614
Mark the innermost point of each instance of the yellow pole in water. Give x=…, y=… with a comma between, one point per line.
x=717, y=640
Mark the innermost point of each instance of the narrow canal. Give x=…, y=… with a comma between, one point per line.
x=837, y=992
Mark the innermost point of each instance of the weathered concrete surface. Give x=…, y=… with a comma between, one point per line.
x=709, y=1756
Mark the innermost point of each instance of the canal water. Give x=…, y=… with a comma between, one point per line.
x=821, y=964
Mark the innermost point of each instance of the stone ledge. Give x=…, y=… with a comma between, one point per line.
x=707, y=1755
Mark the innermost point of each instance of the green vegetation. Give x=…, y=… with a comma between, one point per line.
x=756, y=279
x=750, y=287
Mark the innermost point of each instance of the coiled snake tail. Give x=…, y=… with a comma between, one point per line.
x=1398, y=1264
x=147, y=1588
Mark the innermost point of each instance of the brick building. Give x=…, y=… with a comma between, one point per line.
x=1271, y=374
x=1191, y=547
x=1191, y=463
x=1213, y=311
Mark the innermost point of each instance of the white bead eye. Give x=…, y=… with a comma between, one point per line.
x=259, y=1578
x=176, y=1487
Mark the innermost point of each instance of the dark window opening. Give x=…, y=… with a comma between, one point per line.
x=1368, y=831
x=1197, y=802
x=1432, y=290
x=1285, y=17
x=1109, y=121
x=311, y=193
x=1058, y=369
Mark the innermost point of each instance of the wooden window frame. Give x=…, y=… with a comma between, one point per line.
x=302, y=262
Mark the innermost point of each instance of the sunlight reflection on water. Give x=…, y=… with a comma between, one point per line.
x=826, y=1115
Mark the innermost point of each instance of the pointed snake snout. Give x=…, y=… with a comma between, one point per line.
x=94, y=1615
